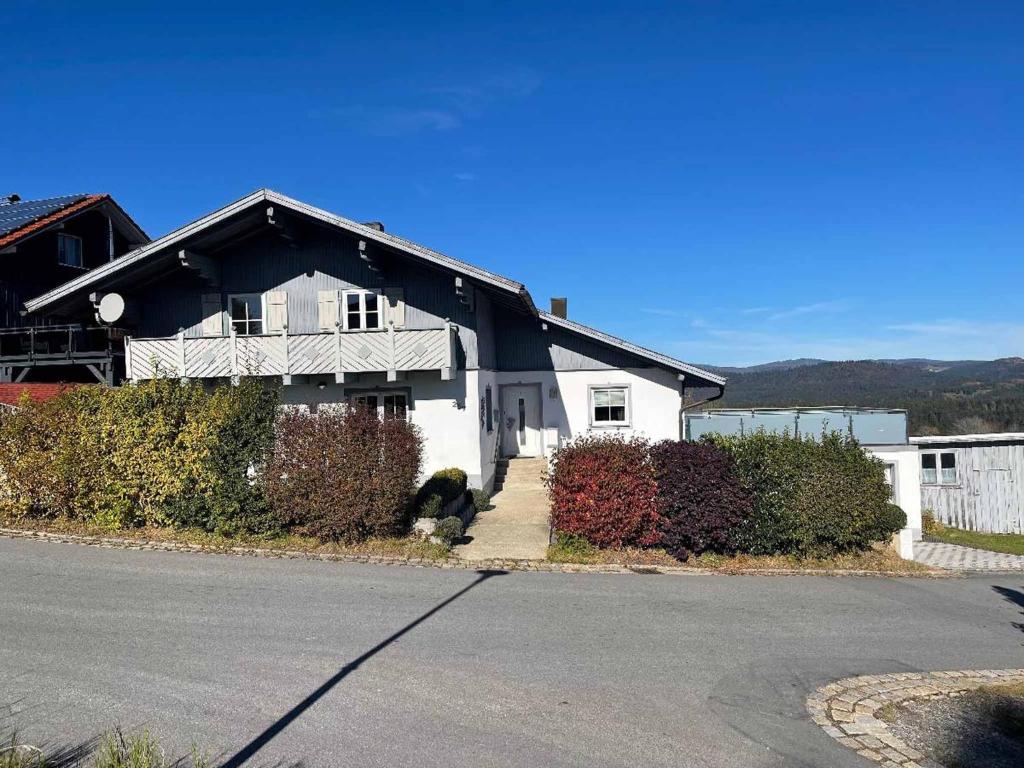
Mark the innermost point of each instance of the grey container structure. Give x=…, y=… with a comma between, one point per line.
x=974, y=482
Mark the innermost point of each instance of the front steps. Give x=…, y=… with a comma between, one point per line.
x=516, y=528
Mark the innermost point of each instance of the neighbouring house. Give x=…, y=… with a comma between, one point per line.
x=339, y=311
x=975, y=482
x=44, y=243
x=881, y=432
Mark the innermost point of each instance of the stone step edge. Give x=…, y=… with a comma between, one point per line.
x=113, y=542
x=845, y=709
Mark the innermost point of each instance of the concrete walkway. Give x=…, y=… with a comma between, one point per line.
x=516, y=528
x=955, y=557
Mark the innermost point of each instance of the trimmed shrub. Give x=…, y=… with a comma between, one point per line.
x=701, y=499
x=441, y=488
x=343, y=474
x=603, y=489
x=889, y=520
x=481, y=499
x=448, y=530
x=811, y=497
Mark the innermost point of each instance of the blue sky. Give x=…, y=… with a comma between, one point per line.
x=729, y=183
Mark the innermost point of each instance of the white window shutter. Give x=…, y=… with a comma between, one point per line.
x=396, y=306
x=213, y=320
x=327, y=309
x=277, y=311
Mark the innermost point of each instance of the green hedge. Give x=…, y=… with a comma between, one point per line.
x=812, y=497
x=159, y=453
x=442, y=487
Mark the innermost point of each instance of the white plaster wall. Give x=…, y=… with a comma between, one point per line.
x=488, y=441
x=447, y=412
x=654, y=394
x=908, y=484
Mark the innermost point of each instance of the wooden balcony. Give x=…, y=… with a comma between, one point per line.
x=25, y=348
x=286, y=355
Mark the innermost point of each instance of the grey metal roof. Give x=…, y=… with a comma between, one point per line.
x=664, y=360
x=16, y=215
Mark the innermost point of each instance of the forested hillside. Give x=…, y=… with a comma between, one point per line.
x=953, y=397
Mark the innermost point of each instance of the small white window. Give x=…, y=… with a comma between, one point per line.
x=929, y=469
x=69, y=250
x=387, y=405
x=947, y=467
x=246, y=313
x=362, y=310
x=890, y=480
x=609, y=406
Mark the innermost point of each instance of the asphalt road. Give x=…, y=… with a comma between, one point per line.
x=283, y=662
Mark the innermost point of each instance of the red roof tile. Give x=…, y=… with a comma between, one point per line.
x=53, y=218
x=10, y=394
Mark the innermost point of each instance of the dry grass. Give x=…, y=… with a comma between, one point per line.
x=881, y=559
x=403, y=546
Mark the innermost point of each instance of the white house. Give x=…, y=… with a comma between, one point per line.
x=340, y=311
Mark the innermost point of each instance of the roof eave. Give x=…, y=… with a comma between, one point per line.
x=634, y=349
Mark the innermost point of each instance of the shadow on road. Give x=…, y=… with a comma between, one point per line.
x=289, y=717
x=1015, y=596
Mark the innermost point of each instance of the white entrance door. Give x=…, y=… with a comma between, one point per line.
x=520, y=421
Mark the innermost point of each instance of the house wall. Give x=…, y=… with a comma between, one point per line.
x=322, y=260
x=907, y=493
x=654, y=396
x=989, y=493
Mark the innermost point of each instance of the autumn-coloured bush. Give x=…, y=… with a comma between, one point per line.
x=162, y=452
x=603, y=489
x=701, y=499
x=343, y=474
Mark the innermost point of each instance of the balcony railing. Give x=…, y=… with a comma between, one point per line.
x=58, y=345
x=308, y=354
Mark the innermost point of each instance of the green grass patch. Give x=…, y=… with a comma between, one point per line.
x=1009, y=543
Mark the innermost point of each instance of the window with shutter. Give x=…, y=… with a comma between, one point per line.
x=327, y=309
x=396, y=306
x=277, y=311
x=213, y=318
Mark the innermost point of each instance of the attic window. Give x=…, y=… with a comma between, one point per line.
x=69, y=250
x=246, y=313
x=362, y=310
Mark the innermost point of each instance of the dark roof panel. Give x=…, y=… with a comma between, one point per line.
x=16, y=215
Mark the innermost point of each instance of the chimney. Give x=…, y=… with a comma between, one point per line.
x=378, y=225
x=560, y=307
x=10, y=199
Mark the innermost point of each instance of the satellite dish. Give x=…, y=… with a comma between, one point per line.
x=111, y=308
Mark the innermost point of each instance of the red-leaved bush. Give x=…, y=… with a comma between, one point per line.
x=603, y=489
x=343, y=474
x=701, y=498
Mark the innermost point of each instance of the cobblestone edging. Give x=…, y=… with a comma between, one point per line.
x=111, y=542
x=846, y=708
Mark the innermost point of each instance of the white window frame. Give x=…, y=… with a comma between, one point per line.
x=939, y=480
x=362, y=294
x=380, y=394
x=248, y=321
x=61, y=238
x=892, y=480
x=627, y=409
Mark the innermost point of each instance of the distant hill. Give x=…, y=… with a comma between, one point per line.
x=942, y=396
